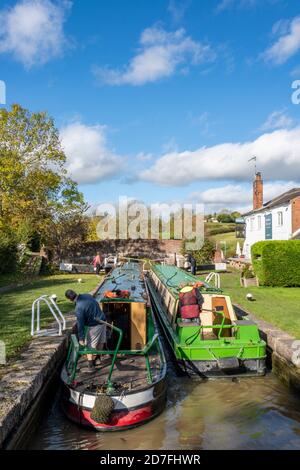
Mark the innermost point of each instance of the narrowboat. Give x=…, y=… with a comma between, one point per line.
x=128, y=388
x=218, y=344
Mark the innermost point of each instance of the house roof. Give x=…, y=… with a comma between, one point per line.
x=284, y=198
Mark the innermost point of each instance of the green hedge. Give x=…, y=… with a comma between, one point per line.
x=8, y=255
x=220, y=230
x=277, y=263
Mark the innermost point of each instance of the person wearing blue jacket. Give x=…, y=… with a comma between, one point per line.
x=89, y=314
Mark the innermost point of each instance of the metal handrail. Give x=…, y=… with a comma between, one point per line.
x=222, y=323
x=44, y=298
x=115, y=353
x=143, y=352
x=59, y=312
x=216, y=277
x=220, y=327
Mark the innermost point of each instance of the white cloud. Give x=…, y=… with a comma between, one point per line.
x=161, y=54
x=225, y=5
x=202, y=121
x=237, y=197
x=241, y=4
x=32, y=31
x=295, y=72
x=277, y=120
x=144, y=157
x=287, y=45
x=89, y=160
x=223, y=196
x=277, y=153
x=177, y=9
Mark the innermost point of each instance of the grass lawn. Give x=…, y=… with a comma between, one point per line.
x=7, y=279
x=231, y=242
x=277, y=305
x=15, y=306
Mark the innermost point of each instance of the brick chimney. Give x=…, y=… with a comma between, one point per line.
x=258, y=191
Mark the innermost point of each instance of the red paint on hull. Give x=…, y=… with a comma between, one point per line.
x=119, y=419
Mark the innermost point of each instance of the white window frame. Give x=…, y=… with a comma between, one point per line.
x=252, y=224
x=280, y=219
x=259, y=222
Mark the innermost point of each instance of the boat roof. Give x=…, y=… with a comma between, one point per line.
x=126, y=277
x=173, y=277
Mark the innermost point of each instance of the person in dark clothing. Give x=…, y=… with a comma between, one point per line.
x=193, y=265
x=89, y=314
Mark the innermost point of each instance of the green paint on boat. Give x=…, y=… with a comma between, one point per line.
x=221, y=345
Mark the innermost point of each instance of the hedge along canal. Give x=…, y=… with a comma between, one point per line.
x=27, y=392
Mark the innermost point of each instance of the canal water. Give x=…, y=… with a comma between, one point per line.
x=248, y=413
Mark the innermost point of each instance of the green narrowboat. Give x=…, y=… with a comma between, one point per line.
x=218, y=344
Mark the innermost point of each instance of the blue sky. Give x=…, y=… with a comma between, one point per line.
x=164, y=100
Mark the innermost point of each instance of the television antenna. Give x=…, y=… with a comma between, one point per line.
x=254, y=159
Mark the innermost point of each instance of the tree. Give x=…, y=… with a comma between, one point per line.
x=224, y=218
x=205, y=254
x=36, y=194
x=235, y=215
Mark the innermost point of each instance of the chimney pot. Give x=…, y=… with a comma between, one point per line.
x=258, y=191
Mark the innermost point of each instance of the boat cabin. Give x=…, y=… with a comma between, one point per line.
x=216, y=309
x=125, y=308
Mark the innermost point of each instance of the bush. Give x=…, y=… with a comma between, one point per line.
x=220, y=230
x=277, y=263
x=247, y=273
x=8, y=254
x=206, y=254
x=225, y=218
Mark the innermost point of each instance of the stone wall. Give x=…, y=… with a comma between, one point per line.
x=23, y=383
x=282, y=347
x=151, y=249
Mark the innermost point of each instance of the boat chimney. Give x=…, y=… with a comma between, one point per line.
x=258, y=191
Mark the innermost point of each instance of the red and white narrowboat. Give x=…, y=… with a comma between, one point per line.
x=128, y=387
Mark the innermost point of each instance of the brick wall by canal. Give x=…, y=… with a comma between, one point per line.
x=142, y=248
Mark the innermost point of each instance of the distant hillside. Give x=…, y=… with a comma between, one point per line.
x=211, y=228
x=224, y=236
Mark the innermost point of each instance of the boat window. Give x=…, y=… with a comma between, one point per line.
x=220, y=308
x=119, y=315
x=131, y=318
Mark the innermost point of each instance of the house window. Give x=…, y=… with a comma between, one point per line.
x=280, y=218
x=259, y=222
x=252, y=224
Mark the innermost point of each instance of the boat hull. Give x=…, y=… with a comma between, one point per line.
x=130, y=410
x=211, y=369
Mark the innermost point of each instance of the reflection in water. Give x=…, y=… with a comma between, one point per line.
x=251, y=413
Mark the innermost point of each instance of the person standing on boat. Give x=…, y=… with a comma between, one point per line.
x=190, y=304
x=97, y=263
x=89, y=314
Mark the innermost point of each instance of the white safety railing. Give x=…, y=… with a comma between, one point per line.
x=36, y=317
x=214, y=277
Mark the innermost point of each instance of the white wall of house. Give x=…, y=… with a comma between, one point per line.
x=256, y=230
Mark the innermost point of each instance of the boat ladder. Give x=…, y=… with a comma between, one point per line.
x=214, y=277
x=36, y=317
